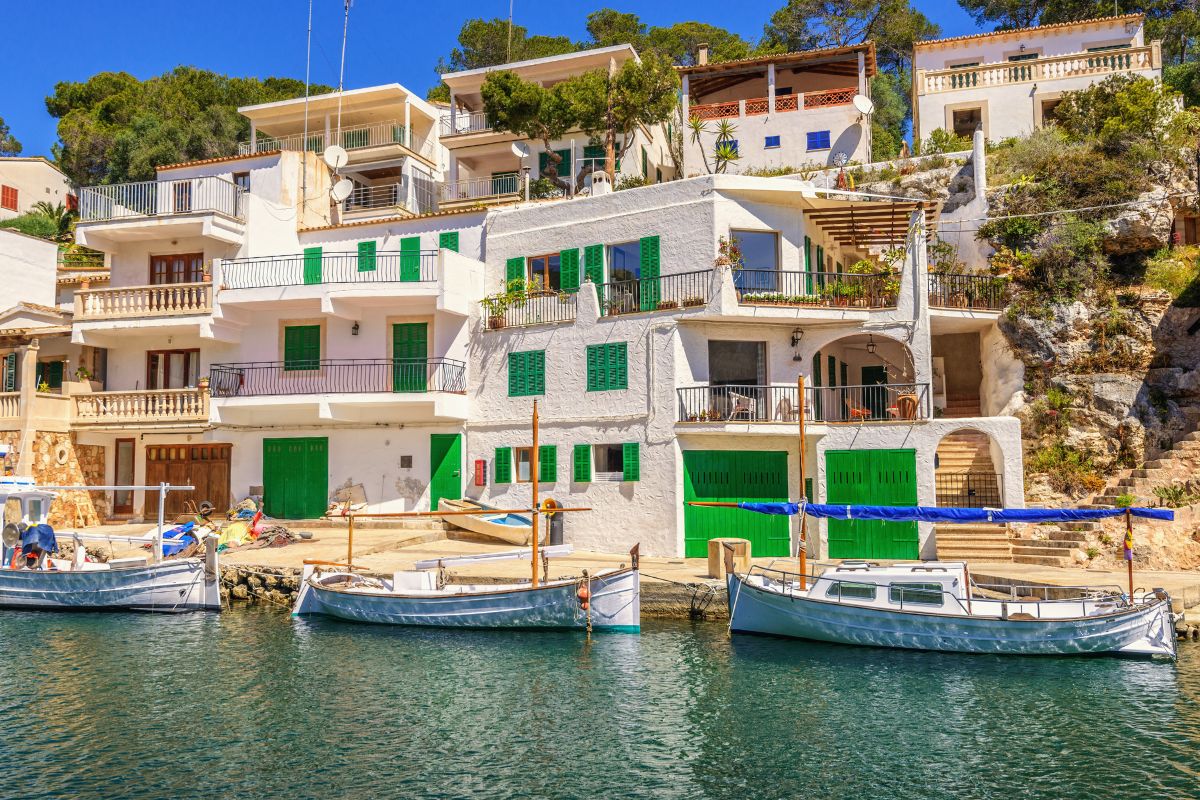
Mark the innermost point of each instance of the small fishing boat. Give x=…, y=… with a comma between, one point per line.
x=489, y=521
x=31, y=578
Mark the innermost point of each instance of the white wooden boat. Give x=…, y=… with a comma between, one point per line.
x=492, y=523
x=149, y=583
x=415, y=598
x=929, y=606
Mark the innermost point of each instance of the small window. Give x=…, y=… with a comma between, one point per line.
x=608, y=462
x=1024, y=57
x=818, y=140
x=523, y=456
x=242, y=179
x=546, y=272
x=658, y=174
x=924, y=594
x=625, y=261
x=732, y=144
x=771, y=142
x=526, y=373
x=966, y=121
x=301, y=348
x=645, y=163
x=8, y=197
x=780, y=90
x=607, y=366
x=854, y=591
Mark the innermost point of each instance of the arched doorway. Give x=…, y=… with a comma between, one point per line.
x=866, y=378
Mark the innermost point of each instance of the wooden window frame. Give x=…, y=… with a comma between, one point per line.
x=545, y=258
x=7, y=191
x=192, y=268
x=188, y=352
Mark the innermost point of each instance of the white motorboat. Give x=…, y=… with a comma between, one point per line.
x=31, y=578
x=490, y=522
x=930, y=606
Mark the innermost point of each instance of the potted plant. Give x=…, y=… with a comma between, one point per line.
x=495, y=305
x=692, y=302
x=664, y=305
x=729, y=254
x=202, y=383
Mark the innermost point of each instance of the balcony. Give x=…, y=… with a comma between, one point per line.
x=672, y=292
x=482, y=191
x=523, y=309
x=764, y=287
x=140, y=302
x=758, y=106
x=163, y=408
x=391, y=198
x=465, y=122
x=1039, y=70
x=331, y=268
x=967, y=292
x=906, y=402
x=10, y=410
x=208, y=207
x=358, y=141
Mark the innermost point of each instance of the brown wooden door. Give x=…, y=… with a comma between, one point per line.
x=205, y=466
x=177, y=268
x=123, y=475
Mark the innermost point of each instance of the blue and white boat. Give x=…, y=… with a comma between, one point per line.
x=935, y=605
x=507, y=526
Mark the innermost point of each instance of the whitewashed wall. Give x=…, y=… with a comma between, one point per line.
x=27, y=269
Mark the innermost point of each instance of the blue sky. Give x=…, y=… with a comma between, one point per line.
x=390, y=40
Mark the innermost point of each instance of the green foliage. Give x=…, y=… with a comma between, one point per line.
x=1068, y=259
x=1121, y=114
x=942, y=141
x=608, y=27
x=809, y=24
x=485, y=43
x=678, y=42
x=58, y=215
x=1177, y=271
x=1014, y=233
x=33, y=224
x=9, y=146
x=890, y=93
x=1067, y=469
x=1093, y=552
x=1124, y=500
x=1185, y=79
x=1176, y=495
x=630, y=182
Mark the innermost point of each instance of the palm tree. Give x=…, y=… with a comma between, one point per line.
x=725, y=152
x=698, y=127
x=62, y=219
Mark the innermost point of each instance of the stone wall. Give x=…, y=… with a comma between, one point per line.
x=59, y=461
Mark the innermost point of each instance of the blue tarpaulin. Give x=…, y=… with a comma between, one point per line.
x=960, y=515
x=184, y=531
x=40, y=535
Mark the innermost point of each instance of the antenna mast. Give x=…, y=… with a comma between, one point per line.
x=304, y=142
x=508, y=46
x=342, y=70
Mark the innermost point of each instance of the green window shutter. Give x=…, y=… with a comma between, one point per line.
x=808, y=265
x=808, y=490
x=593, y=268
x=410, y=258
x=583, y=463
x=517, y=379
x=564, y=166
x=618, y=365
x=568, y=261
x=366, y=256
x=593, y=151
x=537, y=372
x=448, y=240
x=833, y=371
x=845, y=373
x=54, y=374
x=527, y=373
x=632, y=462
x=607, y=366
x=543, y=160
x=649, y=265
x=645, y=163
x=502, y=465
x=301, y=347
x=548, y=463
x=817, y=369
x=593, y=367
x=10, y=373
x=312, y=265
x=514, y=269
x=820, y=259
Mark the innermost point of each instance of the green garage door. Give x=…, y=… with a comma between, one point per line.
x=296, y=477
x=731, y=475
x=877, y=478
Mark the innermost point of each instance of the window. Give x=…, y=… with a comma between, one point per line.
x=448, y=240
x=301, y=348
x=524, y=458
x=771, y=142
x=818, y=140
x=582, y=463
x=1103, y=48
x=966, y=121
x=1024, y=57
x=8, y=197
x=547, y=463
x=645, y=163
x=625, y=261
x=596, y=152
x=854, y=591
x=736, y=363
x=50, y=373
x=502, y=465
x=925, y=594
x=178, y=268
x=546, y=272
x=172, y=369
x=658, y=174
x=607, y=367
x=564, y=166
x=527, y=373
x=732, y=144
x=760, y=261
x=242, y=179
x=615, y=462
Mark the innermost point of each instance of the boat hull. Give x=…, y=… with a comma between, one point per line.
x=1145, y=630
x=169, y=586
x=615, y=605
x=482, y=525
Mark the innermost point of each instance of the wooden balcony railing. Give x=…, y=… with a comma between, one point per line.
x=131, y=302
x=757, y=106
x=1073, y=65
x=151, y=406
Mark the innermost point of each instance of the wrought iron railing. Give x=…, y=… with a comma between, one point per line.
x=301, y=270
x=337, y=376
x=948, y=290
x=481, y=188
x=843, y=404
x=160, y=198
x=968, y=489
x=822, y=289
x=664, y=293
x=738, y=403
x=529, y=308
x=894, y=402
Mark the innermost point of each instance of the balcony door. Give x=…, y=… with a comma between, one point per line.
x=172, y=369
x=176, y=268
x=410, y=354
x=760, y=261
x=123, y=475
x=737, y=371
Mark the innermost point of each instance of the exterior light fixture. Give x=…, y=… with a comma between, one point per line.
x=797, y=335
x=871, y=345
x=354, y=329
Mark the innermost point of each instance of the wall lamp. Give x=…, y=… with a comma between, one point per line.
x=797, y=335
x=354, y=329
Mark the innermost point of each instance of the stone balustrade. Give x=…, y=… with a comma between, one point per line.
x=128, y=302
x=1131, y=59
x=157, y=406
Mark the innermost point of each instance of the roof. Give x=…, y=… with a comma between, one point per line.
x=1035, y=29
x=382, y=220
x=96, y=277
x=580, y=55
x=366, y=95
x=825, y=54
x=218, y=160
x=42, y=159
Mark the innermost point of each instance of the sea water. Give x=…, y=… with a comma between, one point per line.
x=254, y=704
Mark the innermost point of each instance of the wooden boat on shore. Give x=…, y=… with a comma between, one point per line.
x=31, y=578
x=490, y=522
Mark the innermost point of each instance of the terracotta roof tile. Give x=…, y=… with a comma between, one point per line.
x=385, y=220
x=218, y=160
x=1034, y=29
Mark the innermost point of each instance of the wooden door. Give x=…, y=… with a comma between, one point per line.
x=410, y=354
x=445, y=467
x=123, y=475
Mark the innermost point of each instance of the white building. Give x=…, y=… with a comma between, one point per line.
x=26, y=181
x=787, y=110
x=1008, y=82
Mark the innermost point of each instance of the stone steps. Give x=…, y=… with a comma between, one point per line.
x=1042, y=561
x=988, y=543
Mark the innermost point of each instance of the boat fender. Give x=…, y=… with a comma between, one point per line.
x=550, y=506
x=584, y=595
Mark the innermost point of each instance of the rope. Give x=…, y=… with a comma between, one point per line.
x=703, y=595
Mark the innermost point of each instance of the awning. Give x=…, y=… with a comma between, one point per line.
x=958, y=515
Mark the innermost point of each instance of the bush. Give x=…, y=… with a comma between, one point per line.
x=942, y=141
x=631, y=182
x=1125, y=500
x=1123, y=113
x=33, y=224
x=1176, y=271
x=1068, y=259
x=770, y=172
x=1067, y=470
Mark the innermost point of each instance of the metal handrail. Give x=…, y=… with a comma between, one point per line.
x=161, y=198
x=823, y=289
x=481, y=188
x=337, y=376
x=668, y=292
x=300, y=270
x=464, y=122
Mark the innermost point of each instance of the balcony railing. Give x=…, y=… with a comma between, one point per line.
x=338, y=376
x=1036, y=70
x=948, y=290
x=152, y=406
x=82, y=259
x=530, y=308
x=10, y=405
x=757, y=106
x=843, y=404
x=358, y=137
x=160, y=199
x=768, y=287
x=968, y=489
x=465, y=122
x=664, y=293
x=391, y=195
x=301, y=270
x=500, y=186
x=127, y=302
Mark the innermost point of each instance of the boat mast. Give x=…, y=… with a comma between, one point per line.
x=802, y=497
x=533, y=478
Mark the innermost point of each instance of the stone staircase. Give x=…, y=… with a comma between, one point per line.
x=964, y=451
x=975, y=543
x=968, y=452
x=1179, y=462
x=1054, y=545
x=962, y=407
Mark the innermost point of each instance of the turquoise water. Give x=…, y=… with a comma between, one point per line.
x=255, y=704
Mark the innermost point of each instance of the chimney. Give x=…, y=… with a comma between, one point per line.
x=702, y=54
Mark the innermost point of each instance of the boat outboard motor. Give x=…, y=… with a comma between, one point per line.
x=9, y=539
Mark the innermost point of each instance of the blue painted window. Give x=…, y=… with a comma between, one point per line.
x=818, y=140
x=732, y=143
x=772, y=141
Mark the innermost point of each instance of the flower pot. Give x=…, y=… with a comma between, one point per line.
x=495, y=323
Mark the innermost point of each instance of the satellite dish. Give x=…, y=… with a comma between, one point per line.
x=342, y=189
x=11, y=535
x=336, y=157
x=863, y=104
x=520, y=149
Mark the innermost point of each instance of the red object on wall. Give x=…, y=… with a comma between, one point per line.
x=480, y=471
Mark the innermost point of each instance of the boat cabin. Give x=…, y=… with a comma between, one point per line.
x=929, y=586
x=23, y=501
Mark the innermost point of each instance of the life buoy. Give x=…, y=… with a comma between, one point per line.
x=584, y=595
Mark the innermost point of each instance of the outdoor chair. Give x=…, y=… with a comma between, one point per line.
x=740, y=404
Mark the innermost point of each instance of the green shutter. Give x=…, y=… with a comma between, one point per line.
x=54, y=374
x=502, y=464
x=366, y=256
x=820, y=259
x=10, y=373
x=568, y=261
x=514, y=269
x=448, y=240
x=833, y=382
x=548, y=463
x=537, y=372
x=301, y=347
x=632, y=462
x=410, y=258
x=845, y=374
x=527, y=373
x=593, y=268
x=645, y=163
x=649, y=266
x=312, y=265
x=593, y=367
x=808, y=265
x=618, y=365
x=607, y=366
x=583, y=463
x=816, y=376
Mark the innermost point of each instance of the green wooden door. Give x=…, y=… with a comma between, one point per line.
x=732, y=475
x=312, y=265
x=875, y=399
x=410, y=258
x=410, y=354
x=445, y=467
x=296, y=477
x=878, y=478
